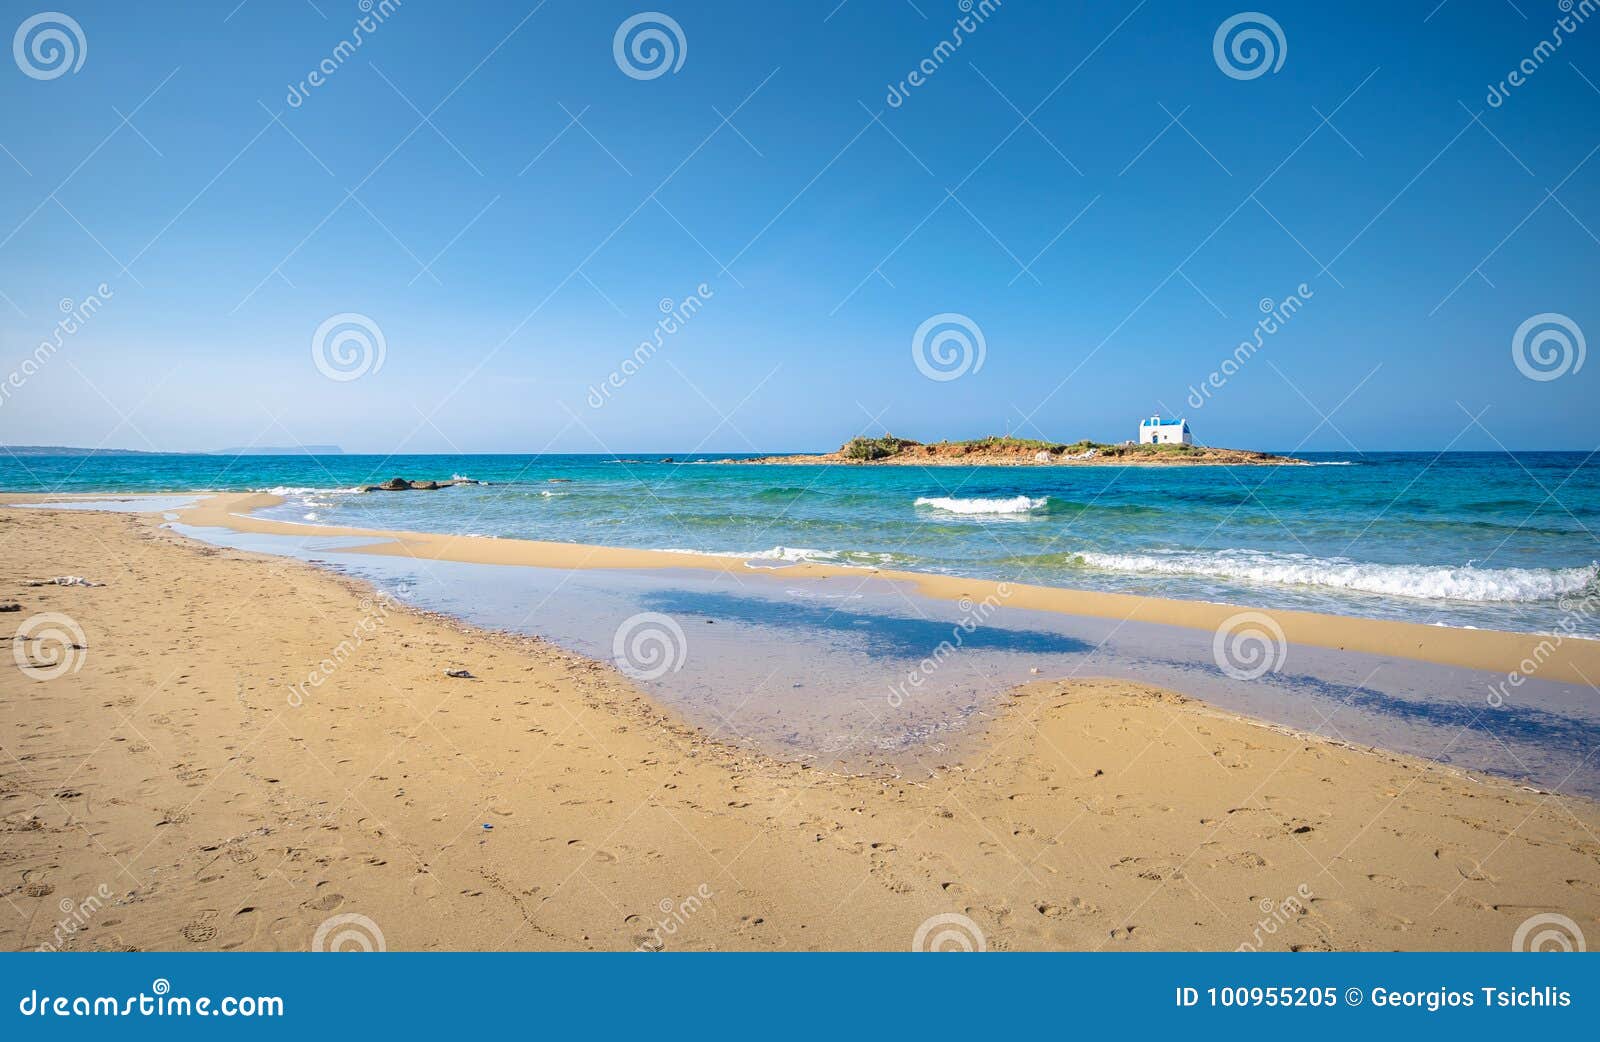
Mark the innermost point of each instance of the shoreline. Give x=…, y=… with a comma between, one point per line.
x=1573, y=659
x=1096, y=814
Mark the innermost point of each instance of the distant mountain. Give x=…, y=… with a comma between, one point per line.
x=64, y=450
x=282, y=450
x=253, y=450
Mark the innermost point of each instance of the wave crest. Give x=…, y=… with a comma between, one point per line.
x=799, y=555
x=1421, y=582
x=1008, y=505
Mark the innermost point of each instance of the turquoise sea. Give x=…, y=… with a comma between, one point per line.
x=1489, y=540
x=847, y=672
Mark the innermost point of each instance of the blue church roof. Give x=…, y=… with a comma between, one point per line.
x=1156, y=421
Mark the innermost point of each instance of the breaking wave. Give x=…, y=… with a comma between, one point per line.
x=1010, y=505
x=1424, y=582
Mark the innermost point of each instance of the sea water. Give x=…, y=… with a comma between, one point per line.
x=1487, y=540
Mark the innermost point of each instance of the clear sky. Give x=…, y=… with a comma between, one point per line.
x=1086, y=183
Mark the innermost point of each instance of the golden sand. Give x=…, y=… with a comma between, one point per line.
x=172, y=770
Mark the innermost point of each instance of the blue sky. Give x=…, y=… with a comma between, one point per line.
x=513, y=257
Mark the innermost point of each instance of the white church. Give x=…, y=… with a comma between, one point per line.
x=1156, y=431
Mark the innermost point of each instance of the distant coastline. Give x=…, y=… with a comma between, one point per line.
x=1023, y=452
x=265, y=450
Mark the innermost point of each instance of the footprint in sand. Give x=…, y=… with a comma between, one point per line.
x=1400, y=885
x=241, y=929
x=1467, y=866
x=325, y=902
x=603, y=856
x=202, y=928
x=1073, y=907
x=1321, y=906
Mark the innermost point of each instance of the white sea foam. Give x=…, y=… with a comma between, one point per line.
x=305, y=490
x=1010, y=505
x=1424, y=582
x=796, y=555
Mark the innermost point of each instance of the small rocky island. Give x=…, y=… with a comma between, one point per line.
x=1025, y=452
x=402, y=485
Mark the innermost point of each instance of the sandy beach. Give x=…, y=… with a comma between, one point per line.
x=1488, y=650
x=169, y=786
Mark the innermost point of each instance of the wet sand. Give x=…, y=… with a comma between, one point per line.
x=172, y=772
x=1498, y=652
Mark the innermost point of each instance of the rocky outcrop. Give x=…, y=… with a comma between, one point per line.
x=402, y=485
x=1013, y=452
